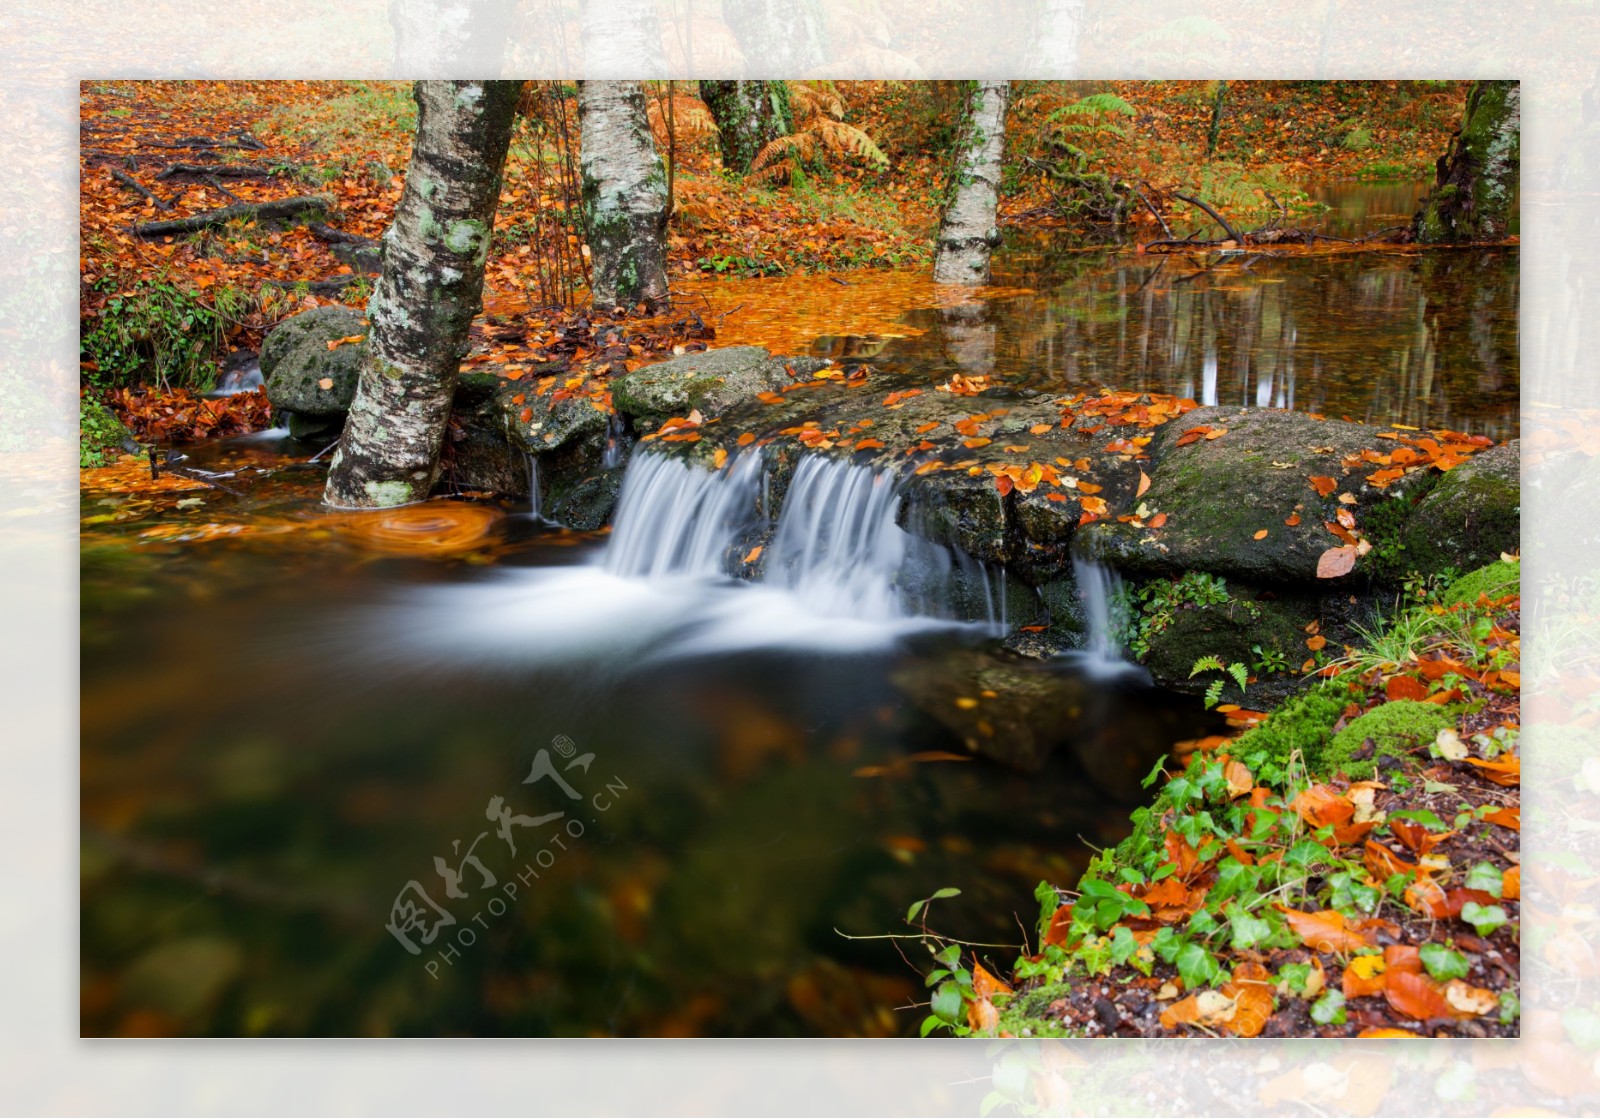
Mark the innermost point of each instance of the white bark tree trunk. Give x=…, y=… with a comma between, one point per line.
x=779, y=38
x=624, y=196
x=968, y=233
x=430, y=289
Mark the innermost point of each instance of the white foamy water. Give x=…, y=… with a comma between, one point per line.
x=838, y=575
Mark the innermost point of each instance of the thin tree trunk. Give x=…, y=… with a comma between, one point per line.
x=1475, y=191
x=624, y=195
x=749, y=116
x=430, y=289
x=968, y=233
x=1214, y=134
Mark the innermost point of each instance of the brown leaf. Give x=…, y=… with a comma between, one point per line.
x=1327, y=930
x=1336, y=562
x=1323, y=484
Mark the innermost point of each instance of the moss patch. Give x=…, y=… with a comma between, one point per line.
x=1496, y=580
x=1395, y=729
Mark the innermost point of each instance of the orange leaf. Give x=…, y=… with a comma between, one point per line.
x=1405, y=687
x=1506, y=818
x=719, y=457
x=753, y=554
x=1156, y=521
x=1363, y=976
x=1261, y=535
x=1415, y=996
x=1504, y=770
x=1383, y=863
x=1323, y=484
x=1004, y=484
x=1292, y=520
x=1316, y=642
x=982, y=1017
x=1060, y=925
x=869, y=444
x=1040, y=429
x=746, y=439
x=1511, y=884
x=1327, y=930
x=1386, y=1031
x=984, y=985
x=1144, y=484
x=1321, y=805
x=1336, y=562
x=325, y=383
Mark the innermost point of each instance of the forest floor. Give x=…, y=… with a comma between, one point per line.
x=160, y=313
x=1350, y=867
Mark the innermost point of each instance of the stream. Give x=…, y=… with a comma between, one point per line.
x=454, y=770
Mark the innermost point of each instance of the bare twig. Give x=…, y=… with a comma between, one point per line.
x=1233, y=234
x=137, y=187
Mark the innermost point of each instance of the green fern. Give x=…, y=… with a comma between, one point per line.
x=1207, y=664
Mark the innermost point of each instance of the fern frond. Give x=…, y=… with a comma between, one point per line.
x=1240, y=674
x=772, y=161
x=1206, y=664
x=847, y=139
x=815, y=99
x=691, y=120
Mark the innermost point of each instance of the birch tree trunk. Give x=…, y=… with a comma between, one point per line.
x=1056, y=48
x=430, y=289
x=749, y=116
x=624, y=196
x=968, y=233
x=1475, y=191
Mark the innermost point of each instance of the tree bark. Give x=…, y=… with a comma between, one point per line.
x=968, y=233
x=749, y=116
x=425, y=299
x=624, y=196
x=1475, y=191
x=622, y=39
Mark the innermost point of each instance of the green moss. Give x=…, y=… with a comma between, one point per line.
x=1027, y=1015
x=1304, y=724
x=1496, y=580
x=99, y=433
x=1395, y=728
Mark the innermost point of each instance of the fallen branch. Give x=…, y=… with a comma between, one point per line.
x=137, y=187
x=239, y=141
x=281, y=210
x=220, y=170
x=1233, y=234
x=337, y=236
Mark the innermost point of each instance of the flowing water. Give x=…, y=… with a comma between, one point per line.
x=454, y=770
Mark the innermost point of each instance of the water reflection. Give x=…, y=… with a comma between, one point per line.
x=1427, y=339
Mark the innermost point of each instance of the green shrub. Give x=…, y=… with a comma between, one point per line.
x=99, y=432
x=154, y=332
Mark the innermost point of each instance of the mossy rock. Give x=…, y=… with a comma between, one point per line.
x=711, y=381
x=1228, y=500
x=553, y=422
x=1496, y=580
x=1229, y=631
x=296, y=361
x=1471, y=516
x=1395, y=728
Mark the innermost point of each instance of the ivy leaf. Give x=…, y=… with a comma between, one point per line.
x=947, y=1002
x=1329, y=1009
x=1486, y=877
x=1444, y=963
x=1196, y=966
x=1484, y=918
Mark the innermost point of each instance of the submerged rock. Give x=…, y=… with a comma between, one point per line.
x=302, y=375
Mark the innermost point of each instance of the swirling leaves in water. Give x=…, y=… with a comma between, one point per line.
x=432, y=527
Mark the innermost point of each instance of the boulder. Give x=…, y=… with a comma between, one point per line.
x=302, y=375
x=1228, y=499
x=1471, y=516
x=711, y=381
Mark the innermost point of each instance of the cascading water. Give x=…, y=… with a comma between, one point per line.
x=836, y=571
x=535, y=499
x=1100, y=592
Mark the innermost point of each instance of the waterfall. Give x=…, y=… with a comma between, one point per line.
x=1100, y=591
x=837, y=546
x=676, y=519
x=615, y=445
x=535, y=499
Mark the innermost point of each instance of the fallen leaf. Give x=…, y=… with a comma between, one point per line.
x=1327, y=930
x=1261, y=535
x=1323, y=484
x=1336, y=562
x=327, y=383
